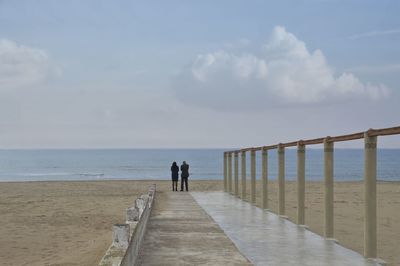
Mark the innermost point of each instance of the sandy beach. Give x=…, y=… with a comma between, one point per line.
x=66, y=223
x=69, y=223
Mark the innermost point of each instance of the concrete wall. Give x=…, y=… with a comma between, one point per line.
x=128, y=237
x=132, y=252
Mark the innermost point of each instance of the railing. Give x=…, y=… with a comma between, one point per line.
x=370, y=141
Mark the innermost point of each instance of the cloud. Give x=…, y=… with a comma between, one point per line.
x=22, y=66
x=374, y=34
x=283, y=72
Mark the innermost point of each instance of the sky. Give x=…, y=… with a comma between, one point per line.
x=196, y=74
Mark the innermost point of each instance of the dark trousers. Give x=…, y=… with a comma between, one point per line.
x=174, y=185
x=184, y=180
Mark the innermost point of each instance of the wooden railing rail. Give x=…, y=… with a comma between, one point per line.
x=359, y=135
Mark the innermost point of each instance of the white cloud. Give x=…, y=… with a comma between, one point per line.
x=22, y=66
x=284, y=72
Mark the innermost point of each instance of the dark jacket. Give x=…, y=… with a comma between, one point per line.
x=185, y=170
x=174, y=172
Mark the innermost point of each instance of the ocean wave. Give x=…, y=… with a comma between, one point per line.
x=91, y=174
x=54, y=174
x=141, y=168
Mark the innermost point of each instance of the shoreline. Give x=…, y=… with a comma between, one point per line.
x=191, y=180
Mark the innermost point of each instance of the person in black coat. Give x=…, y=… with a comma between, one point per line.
x=174, y=176
x=184, y=175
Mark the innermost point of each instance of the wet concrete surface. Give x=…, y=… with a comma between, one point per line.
x=181, y=233
x=267, y=239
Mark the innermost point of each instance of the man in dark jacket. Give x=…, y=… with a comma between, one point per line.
x=184, y=175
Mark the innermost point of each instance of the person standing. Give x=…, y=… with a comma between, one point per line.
x=184, y=175
x=174, y=176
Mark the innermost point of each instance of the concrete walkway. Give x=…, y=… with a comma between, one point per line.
x=181, y=233
x=267, y=239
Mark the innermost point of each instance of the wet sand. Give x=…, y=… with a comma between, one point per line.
x=69, y=223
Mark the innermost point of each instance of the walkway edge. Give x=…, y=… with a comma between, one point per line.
x=128, y=237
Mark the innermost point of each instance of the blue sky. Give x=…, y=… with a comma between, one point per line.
x=195, y=73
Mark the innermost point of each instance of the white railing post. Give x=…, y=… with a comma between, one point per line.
x=253, y=175
x=328, y=170
x=225, y=173
x=281, y=180
x=370, y=235
x=264, y=178
x=236, y=185
x=243, y=169
x=230, y=172
x=301, y=161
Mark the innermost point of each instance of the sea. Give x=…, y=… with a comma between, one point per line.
x=154, y=164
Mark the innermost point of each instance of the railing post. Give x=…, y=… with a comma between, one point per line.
x=230, y=172
x=264, y=178
x=243, y=169
x=281, y=179
x=370, y=236
x=236, y=187
x=328, y=169
x=301, y=161
x=253, y=175
x=225, y=174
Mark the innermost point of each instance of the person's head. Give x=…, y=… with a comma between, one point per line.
x=174, y=163
x=184, y=162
